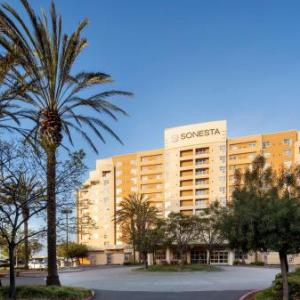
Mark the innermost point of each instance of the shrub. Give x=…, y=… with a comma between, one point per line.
x=294, y=284
x=257, y=263
x=131, y=263
x=238, y=262
x=47, y=292
x=275, y=292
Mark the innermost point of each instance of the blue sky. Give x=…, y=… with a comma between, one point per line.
x=192, y=61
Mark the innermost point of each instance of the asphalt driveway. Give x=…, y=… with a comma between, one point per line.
x=231, y=278
x=125, y=283
x=115, y=283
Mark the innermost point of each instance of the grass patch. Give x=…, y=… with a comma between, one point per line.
x=47, y=292
x=178, y=268
x=267, y=294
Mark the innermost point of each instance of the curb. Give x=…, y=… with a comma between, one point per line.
x=251, y=293
x=90, y=297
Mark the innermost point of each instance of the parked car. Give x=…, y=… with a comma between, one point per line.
x=4, y=263
x=38, y=263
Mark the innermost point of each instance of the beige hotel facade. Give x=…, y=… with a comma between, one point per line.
x=194, y=168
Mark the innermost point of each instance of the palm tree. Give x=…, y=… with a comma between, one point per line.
x=56, y=99
x=135, y=215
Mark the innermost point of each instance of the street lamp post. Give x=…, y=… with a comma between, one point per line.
x=67, y=212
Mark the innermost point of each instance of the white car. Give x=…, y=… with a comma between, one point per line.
x=37, y=264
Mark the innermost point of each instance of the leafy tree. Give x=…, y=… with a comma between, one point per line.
x=182, y=231
x=72, y=250
x=34, y=246
x=209, y=229
x=265, y=214
x=17, y=190
x=135, y=216
x=152, y=239
x=55, y=98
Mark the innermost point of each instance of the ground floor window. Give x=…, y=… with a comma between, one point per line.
x=160, y=254
x=127, y=257
x=198, y=256
x=108, y=258
x=239, y=255
x=219, y=257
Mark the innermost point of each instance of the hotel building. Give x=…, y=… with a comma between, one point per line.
x=194, y=168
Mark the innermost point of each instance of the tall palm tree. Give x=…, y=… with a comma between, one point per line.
x=135, y=215
x=57, y=100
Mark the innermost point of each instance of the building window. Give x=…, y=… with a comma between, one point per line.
x=287, y=164
x=119, y=164
x=234, y=147
x=198, y=256
x=200, y=151
x=252, y=144
x=223, y=159
x=287, y=141
x=222, y=148
x=201, y=203
x=222, y=189
x=222, y=179
x=267, y=154
x=219, y=257
x=201, y=181
x=223, y=169
x=105, y=174
x=266, y=144
x=160, y=254
x=232, y=157
x=287, y=152
x=202, y=192
x=201, y=161
x=201, y=171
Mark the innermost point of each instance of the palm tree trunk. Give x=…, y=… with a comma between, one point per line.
x=285, y=285
x=52, y=278
x=26, y=242
x=12, y=275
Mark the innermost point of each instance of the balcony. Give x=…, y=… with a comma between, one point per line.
x=202, y=204
x=202, y=151
x=201, y=162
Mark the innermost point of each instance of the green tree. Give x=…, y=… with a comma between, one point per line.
x=209, y=229
x=34, y=246
x=182, y=231
x=265, y=214
x=135, y=216
x=56, y=99
x=14, y=192
x=152, y=239
x=72, y=250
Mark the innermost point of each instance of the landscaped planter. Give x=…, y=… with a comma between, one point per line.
x=46, y=293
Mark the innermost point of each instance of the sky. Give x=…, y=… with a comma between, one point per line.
x=191, y=61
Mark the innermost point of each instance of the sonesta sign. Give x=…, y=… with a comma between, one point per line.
x=195, y=133
x=198, y=133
